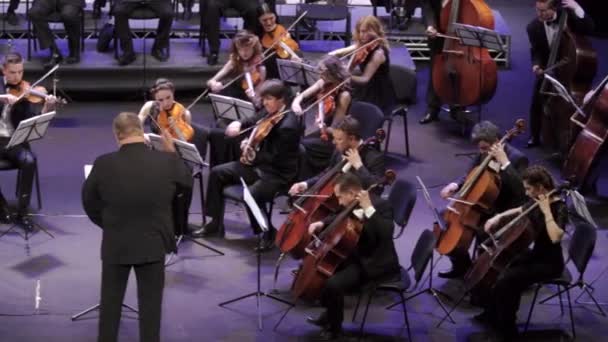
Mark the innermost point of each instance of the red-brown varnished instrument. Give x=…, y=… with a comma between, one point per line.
x=175, y=122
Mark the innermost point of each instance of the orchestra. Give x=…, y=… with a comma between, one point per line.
x=303, y=142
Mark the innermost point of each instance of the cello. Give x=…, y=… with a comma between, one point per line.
x=573, y=62
x=333, y=246
x=464, y=75
x=476, y=196
x=589, y=141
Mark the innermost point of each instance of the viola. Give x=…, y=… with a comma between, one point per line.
x=281, y=41
x=174, y=120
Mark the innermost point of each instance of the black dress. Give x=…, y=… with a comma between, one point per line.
x=379, y=90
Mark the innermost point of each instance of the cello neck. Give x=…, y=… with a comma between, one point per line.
x=454, y=11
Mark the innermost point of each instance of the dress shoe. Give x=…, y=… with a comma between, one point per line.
x=320, y=321
x=126, y=58
x=12, y=18
x=533, y=143
x=161, y=55
x=212, y=59
x=211, y=229
x=55, y=59
x=330, y=335
x=428, y=118
x=453, y=273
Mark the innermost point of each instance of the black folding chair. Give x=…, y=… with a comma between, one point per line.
x=369, y=116
x=405, y=84
x=403, y=198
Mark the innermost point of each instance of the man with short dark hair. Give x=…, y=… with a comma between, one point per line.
x=266, y=168
x=130, y=194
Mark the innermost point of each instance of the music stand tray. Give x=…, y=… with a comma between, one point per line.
x=230, y=108
x=297, y=73
x=28, y=130
x=261, y=220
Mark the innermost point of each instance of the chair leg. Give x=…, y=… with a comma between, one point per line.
x=532, y=307
x=388, y=135
x=586, y=289
x=37, y=179
x=561, y=303
x=369, y=301
x=406, y=133
x=571, y=315
x=406, y=320
x=357, y=307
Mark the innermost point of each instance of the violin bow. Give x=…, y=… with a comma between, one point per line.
x=361, y=47
x=40, y=80
x=286, y=30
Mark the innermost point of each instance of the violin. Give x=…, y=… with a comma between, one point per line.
x=281, y=41
x=258, y=134
x=326, y=106
x=252, y=74
x=174, y=120
x=23, y=89
x=361, y=55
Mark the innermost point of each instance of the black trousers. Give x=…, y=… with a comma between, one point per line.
x=12, y=6
x=348, y=277
x=70, y=16
x=150, y=284
x=262, y=189
x=212, y=13
x=163, y=10
x=536, y=110
x=24, y=159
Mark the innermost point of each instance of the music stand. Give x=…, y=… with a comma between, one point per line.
x=230, y=108
x=30, y=130
x=261, y=220
x=481, y=37
x=297, y=73
x=189, y=154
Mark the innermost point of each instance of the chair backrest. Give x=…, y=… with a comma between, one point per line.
x=405, y=83
x=582, y=245
x=423, y=251
x=402, y=197
x=369, y=116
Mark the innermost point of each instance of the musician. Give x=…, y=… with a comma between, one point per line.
x=374, y=257
x=21, y=155
x=431, y=10
x=163, y=9
x=371, y=81
x=129, y=194
x=266, y=171
x=333, y=81
x=246, y=8
x=70, y=11
x=541, y=32
x=508, y=162
x=11, y=17
x=163, y=93
x=268, y=20
x=364, y=160
x=545, y=260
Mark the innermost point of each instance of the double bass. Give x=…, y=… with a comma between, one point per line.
x=464, y=75
x=573, y=62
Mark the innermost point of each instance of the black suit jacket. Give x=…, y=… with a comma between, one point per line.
x=129, y=194
x=539, y=46
x=278, y=153
x=431, y=10
x=370, y=173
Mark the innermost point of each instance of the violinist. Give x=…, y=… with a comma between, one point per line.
x=374, y=258
x=334, y=83
x=245, y=57
x=541, y=32
x=266, y=168
x=13, y=112
x=287, y=48
x=371, y=64
x=364, y=160
x=544, y=261
x=171, y=115
x=508, y=162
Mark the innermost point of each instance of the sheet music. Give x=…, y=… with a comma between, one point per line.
x=231, y=108
x=297, y=72
x=186, y=150
x=563, y=92
x=253, y=206
x=31, y=129
x=479, y=36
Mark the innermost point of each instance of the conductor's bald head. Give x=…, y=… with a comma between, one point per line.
x=127, y=128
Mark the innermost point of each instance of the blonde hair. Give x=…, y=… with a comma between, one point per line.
x=244, y=38
x=127, y=124
x=373, y=24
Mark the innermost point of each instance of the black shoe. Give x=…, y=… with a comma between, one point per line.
x=320, y=321
x=55, y=59
x=12, y=18
x=212, y=59
x=126, y=58
x=211, y=229
x=533, y=142
x=73, y=59
x=330, y=335
x=428, y=118
x=161, y=55
x=453, y=273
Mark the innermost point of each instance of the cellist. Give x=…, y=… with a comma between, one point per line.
x=509, y=162
x=541, y=32
x=545, y=260
x=374, y=257
x=266, y=168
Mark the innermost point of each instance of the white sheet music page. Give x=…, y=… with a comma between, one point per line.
x=253, y=206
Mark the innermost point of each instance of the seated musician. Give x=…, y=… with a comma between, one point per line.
x=371, y=82
x=163, y=9
x=247, y=10
x=545, y=260
x=541, y=32
x=20, y=155
x=70, y=11
x=266, y=171
x=365, y=160
x=164, y=107
x=509, y=163
x=268, y=19
x=374, y=257
x=332, y=81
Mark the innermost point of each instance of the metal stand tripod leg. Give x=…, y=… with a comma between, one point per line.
x=96, y=307
x=27, y=232
x=187, y=238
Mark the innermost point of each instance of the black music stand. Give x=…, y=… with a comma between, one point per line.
x=189, y=153
x=261, y=219
x=297, y=73
x=30, y=130
x=230, y=108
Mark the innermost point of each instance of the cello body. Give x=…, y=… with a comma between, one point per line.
x=464, y=75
